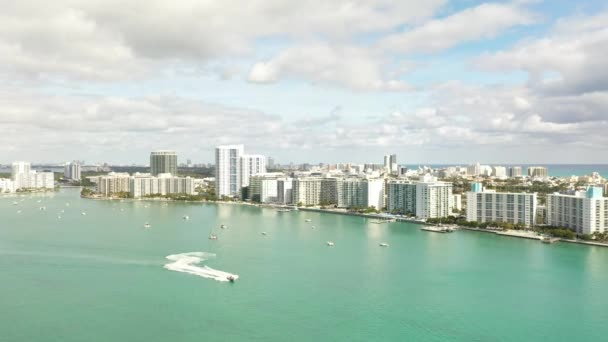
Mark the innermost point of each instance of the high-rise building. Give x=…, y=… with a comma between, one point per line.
x=72, y=171
x=228, y=170
x=401, y=197
x=264, y=188
x=538, y=172
x=390, y=164
x=251, y=165
x=499, y=171
x=585, y=212
x=164, y=184
x=433, y=198
x=474, y=169
x=490, y=206
x=25, y=178
x=112, y=183
x=514, y=171
x=163, y=162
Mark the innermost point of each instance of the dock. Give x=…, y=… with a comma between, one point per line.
x=434, y=229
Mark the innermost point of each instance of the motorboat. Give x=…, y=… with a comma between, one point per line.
x=313, y=227
x=223, y=226
x=330, y=243
x=186, y=217
x=231, y=278
x=263, y=233
x=384, y=244
x=83, y=213
x=147, y=225
x=308, y=220
x=212, y=237
x=283, y=210
x=42, y=208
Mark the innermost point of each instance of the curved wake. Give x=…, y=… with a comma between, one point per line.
x=188, y=263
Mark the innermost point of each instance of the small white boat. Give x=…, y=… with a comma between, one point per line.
x=231, y=278
x=263, y=233
x=147, y=225
x=186, y=217
x=223, y=226
x=212, y=237
x=308, y=220
x=313, y=227
x=83, y=213
x=330, y=243
x=384, y=244
x=42, y=208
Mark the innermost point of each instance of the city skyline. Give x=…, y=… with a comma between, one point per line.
x=339, y=81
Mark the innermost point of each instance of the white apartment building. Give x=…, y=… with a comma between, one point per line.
x=314, y=190
x=490, y=206
x=164, y=184
x=585, y=212
x=228, y=170
x=25, y=178
x=457, y=202
x=359, y=192
x=499, y=171
x=285, y=191
x=112, y=183
x=515, y=171
x=433, y=198
x=6, y=185
x=251, y=165
x=538, y=172
x=264, y=188
x=72, y=171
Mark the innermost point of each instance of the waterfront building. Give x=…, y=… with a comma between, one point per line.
x=163, y=162
x=164, y=184
x=6, y=185
x=72, y=171
x=285, y=190
x=228, y=170
x=23, y=177
x=314, y=191
x=264, y=188
x=491, y=206
x=538, y=172
x=585, y=212
x=356, y=192
x=112, y=183
x=401, y=197
x=514, y=171
x=456, y=202
x=433, y=198
x=251, y=165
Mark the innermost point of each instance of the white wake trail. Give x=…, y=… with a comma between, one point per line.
x=189, y=263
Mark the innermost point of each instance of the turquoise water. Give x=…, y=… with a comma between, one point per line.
x=100, y=277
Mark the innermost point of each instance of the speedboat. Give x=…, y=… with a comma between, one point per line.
x=212, y=237
x=231, y=278
x=147, y=225
x=330, y=243
x=308, y=220
x=384, y=244
x=263, y=233
x=83, y=213
x=186, y=217
x=223, y=226
x=42, y=208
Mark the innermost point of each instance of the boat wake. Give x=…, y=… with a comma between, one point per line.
x=189, y=263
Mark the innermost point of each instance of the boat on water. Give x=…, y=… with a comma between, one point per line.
x=263, y=233
x=330, y=243
x=231, y=278
x=83, y=213
x=212, y=237
x=186, y=217
x=223, y=226
x=384, y=244
x=313, y=227
x=283, y=210
x=147, y=225
x=42, y=208
x=308, y=220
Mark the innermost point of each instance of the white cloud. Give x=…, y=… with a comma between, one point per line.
x=349, y=66
x=481, y=22
x=571, y=60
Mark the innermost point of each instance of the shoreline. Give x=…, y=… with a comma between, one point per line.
x=383, y=218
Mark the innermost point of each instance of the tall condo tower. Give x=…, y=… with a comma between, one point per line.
x=228, y=169
x=163, y=162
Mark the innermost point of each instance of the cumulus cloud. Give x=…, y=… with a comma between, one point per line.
x=570, y=61
x=353, y=67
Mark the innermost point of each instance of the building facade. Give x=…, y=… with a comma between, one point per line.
x=401, y=197
x=25, y=178
x=433, y=198
x=538, y=172
x=228, y=170
x=112, y=183
x=164, y=184
x=585, y=212
x=163, y=162
x=72, y=171
x=490, y=206
x=6, y=185
x=251, y=165
x=514, y=171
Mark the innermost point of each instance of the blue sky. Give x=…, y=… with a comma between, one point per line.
x=435, y=82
